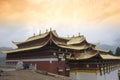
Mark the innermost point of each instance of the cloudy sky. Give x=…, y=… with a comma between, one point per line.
x=97, y=20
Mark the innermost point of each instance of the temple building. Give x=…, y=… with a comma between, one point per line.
x=68, y=56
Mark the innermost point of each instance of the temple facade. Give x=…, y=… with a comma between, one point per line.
x=68, y=56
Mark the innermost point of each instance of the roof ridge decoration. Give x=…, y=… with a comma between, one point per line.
x=34, y=38
x=65, y=46
x=39, y=36
x=76, y=40
x=56, y=35
x=71, y=47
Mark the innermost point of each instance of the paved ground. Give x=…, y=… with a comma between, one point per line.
x=29, y=75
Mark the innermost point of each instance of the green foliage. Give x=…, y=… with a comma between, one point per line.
x=111, y=53
x=117, y=53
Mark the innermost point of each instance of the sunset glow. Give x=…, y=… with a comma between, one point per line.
x=60, y=11
x=98, y=20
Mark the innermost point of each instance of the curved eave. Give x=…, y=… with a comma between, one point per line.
x=73, y=47
x=16, y=43
x=99, y=50
x=95, y=44
x=3, y=51
x=108, y=56
x=24, y=49
x=64, y=38
x=102, y=56
x=84, y=56
x=76, y=41
x=19, y=50
x=40, y=36
x=70, y=47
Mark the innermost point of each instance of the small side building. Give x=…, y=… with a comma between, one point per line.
x=95, y=65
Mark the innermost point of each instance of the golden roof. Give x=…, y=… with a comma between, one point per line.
x=88, y=55
x=76, y=40
x=82, y=56
x=23, y=49
x=52, y=35
x=108, y=56
x=57, y=44
x=40, y=36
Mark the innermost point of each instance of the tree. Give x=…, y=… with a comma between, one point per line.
x=111, y=53
x=117, y=53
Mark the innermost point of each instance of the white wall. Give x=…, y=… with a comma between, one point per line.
x=93, y=76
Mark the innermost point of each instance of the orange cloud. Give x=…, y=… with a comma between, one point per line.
x=60, y=11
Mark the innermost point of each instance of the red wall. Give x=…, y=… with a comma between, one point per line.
x=47, y=66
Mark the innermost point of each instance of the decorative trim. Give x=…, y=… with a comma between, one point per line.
x=88, y=71
x=43, y=59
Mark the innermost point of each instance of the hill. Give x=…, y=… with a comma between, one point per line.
x=2, y=55
x=107, y=47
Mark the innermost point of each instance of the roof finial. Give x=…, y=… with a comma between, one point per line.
x=50, y=29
